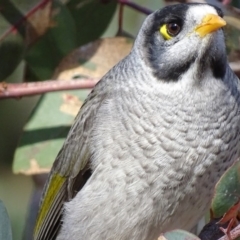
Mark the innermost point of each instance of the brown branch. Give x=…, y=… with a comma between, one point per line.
x=120, y=19
x=15, y=27
x=233, y=233
x=18, y=90
x=135, y=6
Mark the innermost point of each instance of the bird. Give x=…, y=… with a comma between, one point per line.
x=152, y=138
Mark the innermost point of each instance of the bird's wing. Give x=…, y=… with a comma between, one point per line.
x=71, y=168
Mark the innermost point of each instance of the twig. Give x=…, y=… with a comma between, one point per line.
x=136, y=6
x=234, y=233
x=15, y=27
x=132, y=5
x=120, y=18
x=17, y=90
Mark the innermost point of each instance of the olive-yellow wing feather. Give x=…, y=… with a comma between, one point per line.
x=70, y=170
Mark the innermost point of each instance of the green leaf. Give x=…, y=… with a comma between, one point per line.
x=5, y=226
x=92, y=18
x=13, y=29
x=46, y=130
x=74, y=24
x=226, y=191
x=12, y=48
x=15, y=12
x=235, y=3
x=178, y=235
x=59, y=40
x=90, y=59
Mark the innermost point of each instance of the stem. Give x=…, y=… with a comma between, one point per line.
x=120, y=19
x=234, y=233
x=17, y=90
x=136, y=6
x=17, y=25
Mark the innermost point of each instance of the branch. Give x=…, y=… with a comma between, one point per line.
x=135, y=6
x=120, y=19
x=17, y=90
x=23, y=18
x=233, y=233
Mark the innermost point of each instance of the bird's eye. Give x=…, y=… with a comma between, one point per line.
x=173, y=29
x=170, y=30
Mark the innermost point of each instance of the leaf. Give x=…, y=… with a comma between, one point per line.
x=226, y=191
x=16, y=32
x=5, y=226
x=91, y=17
x=12, y=48
x=232, y=31
x=74, y=24
x=55, y=29
x=12, y=45
x=235, y=3
x=39, y=21
x=178, y=235
x=94, y=59
x=231, y=214
x=44, y=56
x=233, y=21
x=46, y=130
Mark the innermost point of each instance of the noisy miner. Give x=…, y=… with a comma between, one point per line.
x=152, y=138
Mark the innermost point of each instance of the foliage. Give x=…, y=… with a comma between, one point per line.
x=43, y=32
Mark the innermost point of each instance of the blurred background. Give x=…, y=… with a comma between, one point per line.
x=40, y=40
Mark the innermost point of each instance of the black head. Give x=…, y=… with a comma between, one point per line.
x=176, y=37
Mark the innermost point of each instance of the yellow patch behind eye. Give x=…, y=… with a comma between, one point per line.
x=163, y=31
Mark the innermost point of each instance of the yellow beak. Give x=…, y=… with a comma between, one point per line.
x=210, y=23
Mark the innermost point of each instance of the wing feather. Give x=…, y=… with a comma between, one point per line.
x=70, y=170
